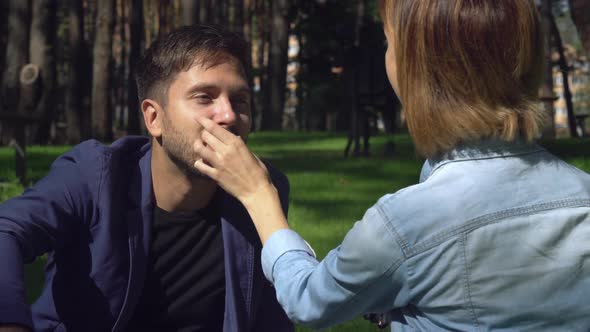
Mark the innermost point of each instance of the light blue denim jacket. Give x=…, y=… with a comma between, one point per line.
x=496, y=236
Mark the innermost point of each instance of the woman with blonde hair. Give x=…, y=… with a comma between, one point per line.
x=496, y=236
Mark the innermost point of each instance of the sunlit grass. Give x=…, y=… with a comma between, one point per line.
x=328, y=191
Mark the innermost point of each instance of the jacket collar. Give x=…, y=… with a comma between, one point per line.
x=243, y=281
x=139, y=219
x=484, y=149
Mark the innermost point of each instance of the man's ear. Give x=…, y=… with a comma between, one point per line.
x=152, y=117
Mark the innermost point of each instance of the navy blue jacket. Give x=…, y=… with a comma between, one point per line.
x=92, y=215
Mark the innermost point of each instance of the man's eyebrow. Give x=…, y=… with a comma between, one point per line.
x=208, y=86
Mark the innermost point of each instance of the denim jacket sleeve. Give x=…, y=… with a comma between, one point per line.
x=365, y=273
x=34, y=223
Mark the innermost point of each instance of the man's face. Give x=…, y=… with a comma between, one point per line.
x=220, y=93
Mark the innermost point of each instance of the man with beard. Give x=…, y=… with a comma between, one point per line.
x=137, y=239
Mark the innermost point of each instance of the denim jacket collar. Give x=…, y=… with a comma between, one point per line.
x=485, y=149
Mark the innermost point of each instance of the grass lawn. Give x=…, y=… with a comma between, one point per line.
x=328, y=192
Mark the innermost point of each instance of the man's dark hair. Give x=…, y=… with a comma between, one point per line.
x=205, y=45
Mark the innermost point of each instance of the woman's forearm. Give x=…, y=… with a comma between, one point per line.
x=265, y=210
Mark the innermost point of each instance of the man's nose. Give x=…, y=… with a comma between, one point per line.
x=224, y=113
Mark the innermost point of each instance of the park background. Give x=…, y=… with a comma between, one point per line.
x=323, y=110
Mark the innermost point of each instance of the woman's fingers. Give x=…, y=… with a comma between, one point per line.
x=205, y=169
x=212, y=141
x=216, y=130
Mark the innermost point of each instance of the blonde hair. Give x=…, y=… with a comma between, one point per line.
x=467, y=69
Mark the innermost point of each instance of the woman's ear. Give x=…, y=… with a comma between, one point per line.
x=152, y=117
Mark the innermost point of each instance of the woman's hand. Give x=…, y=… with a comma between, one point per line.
x=226, y=159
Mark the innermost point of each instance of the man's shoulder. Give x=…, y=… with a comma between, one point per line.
x=279, y=179
x=92, y=153
x=126, y=146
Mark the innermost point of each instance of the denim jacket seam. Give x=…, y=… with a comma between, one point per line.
x=494, y=217
x=466, y=286
x=403, y=244
x=484, y=157
x=393, y=267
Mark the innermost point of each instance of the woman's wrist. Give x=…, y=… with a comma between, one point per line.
x=264, y=193
x=264, y=207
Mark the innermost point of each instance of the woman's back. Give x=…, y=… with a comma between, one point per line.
x=497, y=237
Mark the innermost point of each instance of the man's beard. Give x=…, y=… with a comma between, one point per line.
x=179, y=150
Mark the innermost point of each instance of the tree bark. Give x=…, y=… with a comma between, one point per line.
x=563, y=67
x=17, y=51
x=238, y=19
x=3, y=34
x=580, y=12
x=190, y=12
x=204, y=11
x=102, y=71
x=547, y=94
x=74, y=90
x=353, y=77
x=43, y=32
x=136, y=31
x=17, y=55
x=261, y=39
x=164, y=16
x=278, y=59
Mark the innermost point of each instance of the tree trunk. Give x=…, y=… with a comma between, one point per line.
x=17, y=54
x=136, y=31
x=122, y=62
x=237, y=18
x=190, y=12
x=164, y=16
x=3, y=34
x=102, y=71
x=43, y=31
x=204, y=11
x=74, y=84
x=580, y=12
x=278, y=59
x=547, y=94
x=571, y=118
x=246, y=20
x=17, y=51
x=260, y=41
x=353, y=76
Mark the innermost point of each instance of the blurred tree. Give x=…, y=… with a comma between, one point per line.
x=102, y=71
x=580, y=12
x=120, y=50
x=237, y=19
x=76, y=72
x=17, y=51
x=260, y=43
x=190, y=11
x=42, y=53
x=164, y=16
x=3, y=34
x=564, y=68
x=547, y=94
x=136, y=33
x=17, y=54
x=277, y=65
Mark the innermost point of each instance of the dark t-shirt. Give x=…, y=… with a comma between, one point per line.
x=185, y=285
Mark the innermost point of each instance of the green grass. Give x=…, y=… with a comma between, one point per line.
x=328, y=192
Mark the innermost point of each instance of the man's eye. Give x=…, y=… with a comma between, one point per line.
x=202, y=98
x=241, y=101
